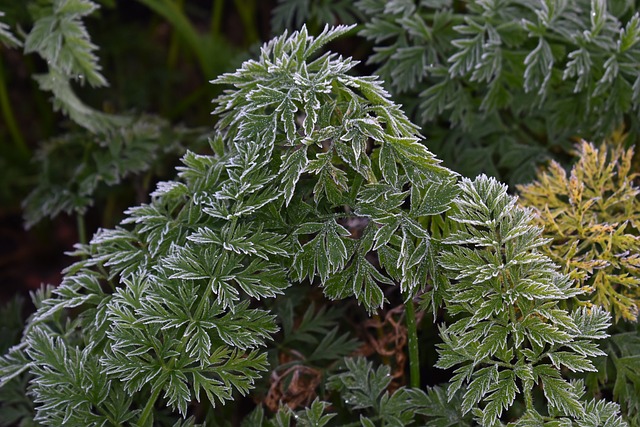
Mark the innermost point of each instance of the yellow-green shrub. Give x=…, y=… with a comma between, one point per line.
x=592, y=219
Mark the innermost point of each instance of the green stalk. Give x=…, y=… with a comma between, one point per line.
x=412, y=335
x=82, y=229
x=174, y=45
x=216, y=17
x=149, y=407
x=10, y=119
x=172, y=13
x=247, y=12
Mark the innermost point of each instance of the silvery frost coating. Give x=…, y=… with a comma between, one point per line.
x=159, y=308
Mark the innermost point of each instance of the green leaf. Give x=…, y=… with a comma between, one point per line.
x=415, y=159
x=592, y=323
x=293, y=166
x=314, y=416
x=469, y=49
x=255, y=418
x=63, y=41
x=325, y=254
x=282, y=418
x=559, y=393
x=483, y=381
x=441, y=411
x=503, y=393
x=542, y=333
x=435, y=200
x=13, y=364
x=572, y=361
x=359, y=279
x=333, y=347
x=539, y=63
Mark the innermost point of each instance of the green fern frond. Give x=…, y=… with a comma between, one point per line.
x=163, y=308
x=508, y=332
x=62, y=40
x=103, y=159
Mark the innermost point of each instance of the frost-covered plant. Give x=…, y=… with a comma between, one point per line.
x=16, y=409
x=163, y=310
x=315, y=178
x=60, y=37
x=504, y=84
x=509, y=336
x=591, y=218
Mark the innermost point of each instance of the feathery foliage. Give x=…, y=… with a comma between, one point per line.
x=162, y=304
x=618, y=372
x=313, y=178
x=60, y=37
x=329, y=147
x=98, y=160
x=108, y=147
x=591, y=218
x=509, y=333
x=16, y=409
x=503, y=84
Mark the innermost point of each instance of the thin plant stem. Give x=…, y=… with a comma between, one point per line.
x=146, y=412
x=82, y=229
x=247, y=12
x=412, y=333
x=216, y=17
x=172, y=13
x=174, y=46
x=10, y=119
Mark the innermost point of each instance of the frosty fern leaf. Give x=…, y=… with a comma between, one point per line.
x=63, y=41
x=316, y=178
x=503, y=84
x=509, y=333
x=164, y=306
x=60, y=37
x=110, y=147
x=591, y=218
x=15, y=406
x=315, y=125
